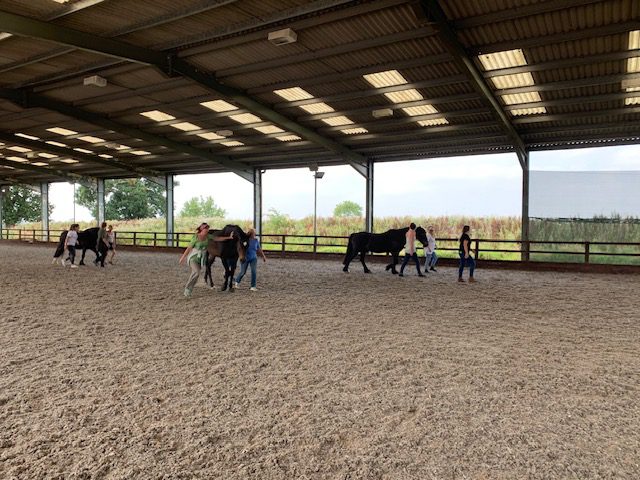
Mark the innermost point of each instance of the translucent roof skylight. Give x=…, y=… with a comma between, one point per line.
x=433, y=122
x=293, y=94
x=504, y=59
x=158, y=116
x=232, y=143
x=91, y=139
x=139, y=152
x=354, y=131
x=69, y=160
x=317, y=108
x=633, y=66
x=210, y=136
x=336, y=121
x=61, y=131
x=186, y=126
x=219, y=106
x=288, y=138
x=24, y=135
x=47, y=155
x=82, y=150
x=269, y=129
x=39, y=164
x=509, y=59
x=19, y=149
x=57, y=144
x=245, y=118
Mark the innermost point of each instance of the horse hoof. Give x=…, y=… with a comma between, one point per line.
x=394, y=272
x=387, y=268
x=367, y=271
x=345, y=269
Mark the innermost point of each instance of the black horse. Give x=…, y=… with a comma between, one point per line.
x=229, y=252
x=87, y=240
x=391, y=241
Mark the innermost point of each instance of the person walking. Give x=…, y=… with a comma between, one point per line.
x=195, y=255
x=102, y=245
x=111, y=237
x=70, y=245
x=251, y=260
x=464, y=250
x=410, y=250
x=430, y=257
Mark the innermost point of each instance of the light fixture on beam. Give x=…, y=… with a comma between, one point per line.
x=282, y=37
x=224, y=133
x=95, y=80
x=382, y=113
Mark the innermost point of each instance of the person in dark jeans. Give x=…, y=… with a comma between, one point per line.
x=464, y=250
x=410, y=250
x=70, y=244
x=102, y=245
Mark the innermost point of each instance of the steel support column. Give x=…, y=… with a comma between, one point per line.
x=369, y=197
x=44, y=204
x=524, y=236
x=101, y=201
x=257, y=200
x=1, y=211
x=170, y=215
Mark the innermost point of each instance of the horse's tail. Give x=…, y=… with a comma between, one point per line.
x=349, y=253
x=60, y=247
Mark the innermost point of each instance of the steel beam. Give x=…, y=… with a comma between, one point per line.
x=257, y=200
x=68, y=152
x=101, y=201
x=451, y=42
x=369, y=197
x=44, y=209
x=31, y=100
x=171, y=65
x=52, y=172
x=170, y=210
x=524, y=235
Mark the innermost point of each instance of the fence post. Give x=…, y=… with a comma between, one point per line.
x=586, y=252
x=315, y=244
x=134, y=238
x=283, y=244
x=477, y=249
x=155, y=238
x=33, y=236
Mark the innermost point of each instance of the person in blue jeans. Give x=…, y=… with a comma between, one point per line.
x=251, y=259
x=464, y=250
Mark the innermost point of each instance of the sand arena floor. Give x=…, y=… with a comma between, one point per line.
x=319, y=375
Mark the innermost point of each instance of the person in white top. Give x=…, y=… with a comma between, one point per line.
x=111, y=236
x=410, y=250
x=70, y=245
x=430, y=256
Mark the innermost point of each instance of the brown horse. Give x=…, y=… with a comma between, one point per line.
x=229, y=252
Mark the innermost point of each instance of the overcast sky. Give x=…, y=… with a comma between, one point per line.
x=487, y=185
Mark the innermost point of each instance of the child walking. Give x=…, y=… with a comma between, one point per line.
x=70, y=245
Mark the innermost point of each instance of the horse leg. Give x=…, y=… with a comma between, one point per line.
x=395, y=262
x=362, y=255
x=232, y=275
x=348, y=261
x=226, y=269
x=84, y=252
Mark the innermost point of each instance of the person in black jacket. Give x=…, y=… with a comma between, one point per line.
x=464, y=250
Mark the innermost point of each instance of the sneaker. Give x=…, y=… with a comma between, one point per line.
x=63, y=263
x=433, y=269
x=187, y=293
x=253, y=289
x=236, y=284
x=54, y=261
x=74, y=266
x=461, y=280
x=421, y=275
x=472, y=280
x=401, y=274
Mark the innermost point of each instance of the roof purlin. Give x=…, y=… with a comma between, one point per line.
x=171, y=65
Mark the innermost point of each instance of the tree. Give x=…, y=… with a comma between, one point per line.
x=126, y=199
x=21, y=204
x=347, y=209
x=201, y=207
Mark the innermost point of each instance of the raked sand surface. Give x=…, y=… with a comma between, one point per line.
x=112, y=374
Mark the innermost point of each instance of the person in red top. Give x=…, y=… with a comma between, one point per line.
x=410, y=250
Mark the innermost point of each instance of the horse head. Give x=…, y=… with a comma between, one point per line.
x=421, y=235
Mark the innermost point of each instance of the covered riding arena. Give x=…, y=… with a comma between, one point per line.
x=318, y=374
x=112, y=374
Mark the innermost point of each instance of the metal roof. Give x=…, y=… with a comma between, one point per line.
x=575, y=82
